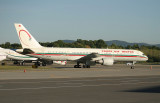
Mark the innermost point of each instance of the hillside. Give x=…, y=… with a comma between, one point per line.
x=118, y=42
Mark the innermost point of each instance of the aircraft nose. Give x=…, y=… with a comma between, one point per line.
x=146, y=57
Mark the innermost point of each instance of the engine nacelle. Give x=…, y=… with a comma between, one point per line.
x=129, y=64
x=60, y=62
x=106, y=61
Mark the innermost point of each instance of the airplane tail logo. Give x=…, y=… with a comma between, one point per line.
x=26, y=39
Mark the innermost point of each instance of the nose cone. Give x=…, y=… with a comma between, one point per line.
x=146, y=58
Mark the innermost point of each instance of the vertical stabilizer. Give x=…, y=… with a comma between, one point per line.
x=26, y=39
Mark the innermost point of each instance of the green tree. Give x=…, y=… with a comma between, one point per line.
x=101, y=44
x=15, y=46
x=128, y=47
x=135, y=46
x=114, y=46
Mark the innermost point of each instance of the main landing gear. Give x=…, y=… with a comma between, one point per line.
x=18, y=63
x=86, y=66
x=132, y=67
x=79, y=66
x=37, y=64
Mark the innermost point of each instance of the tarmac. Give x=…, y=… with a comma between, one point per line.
x=70, y=72
x=100, y=84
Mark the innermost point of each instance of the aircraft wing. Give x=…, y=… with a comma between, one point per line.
x=90, y=57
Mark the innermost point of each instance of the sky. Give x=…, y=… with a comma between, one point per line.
x=52, y=20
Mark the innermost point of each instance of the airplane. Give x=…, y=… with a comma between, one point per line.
x=2, y=56
x=44, y=62
x=85, y=56
x=16, y=57
x=21, y=59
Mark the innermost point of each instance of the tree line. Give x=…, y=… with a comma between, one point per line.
x=152, y=52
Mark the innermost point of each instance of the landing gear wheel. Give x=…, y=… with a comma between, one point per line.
x=15, y=62
x=22, y=63
x=35, y=65
x=86, y=66
x=132, y=67
x=3, y=63
x=43, y=64
x=77, y=66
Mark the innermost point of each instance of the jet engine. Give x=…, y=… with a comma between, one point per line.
x=60, y=62
x=106, y=61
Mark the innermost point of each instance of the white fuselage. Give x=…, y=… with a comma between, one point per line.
x=71, y=54
x=10, y=54
x=86, y=56
x=2, y=56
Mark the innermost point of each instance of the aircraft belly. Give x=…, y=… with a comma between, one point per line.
x=2, y=58
x=126, y=59
x=20, y=58
x=74, y=57
x=48, y=57
x=65, y=57
x=58, y=57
